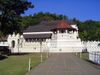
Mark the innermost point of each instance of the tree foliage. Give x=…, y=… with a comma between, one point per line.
x=38, y=17
x=89, y=30
x=10, y=11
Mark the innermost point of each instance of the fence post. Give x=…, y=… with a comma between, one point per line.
x=29, y=64
x=76, y=53
x=80, y=54
x=47, y=54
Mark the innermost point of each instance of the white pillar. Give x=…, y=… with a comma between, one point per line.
x=66, y=31
x=57, y=31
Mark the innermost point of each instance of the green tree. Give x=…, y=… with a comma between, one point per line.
x=39, y=17
x=10, y=11
x=89, y=30
x=76, y=21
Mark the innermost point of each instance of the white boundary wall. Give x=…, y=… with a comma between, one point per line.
x=92, y=45
x=4, y=44
x=94, y=57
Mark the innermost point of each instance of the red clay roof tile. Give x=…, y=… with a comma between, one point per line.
x=63, y=25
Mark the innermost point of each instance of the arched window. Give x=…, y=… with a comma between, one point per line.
x=13, y=44
x=98, y=44
x=18, y=41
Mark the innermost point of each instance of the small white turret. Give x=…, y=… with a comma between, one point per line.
x=75, y=26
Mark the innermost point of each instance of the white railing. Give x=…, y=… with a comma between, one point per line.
x=94, y=57
x=4, y=44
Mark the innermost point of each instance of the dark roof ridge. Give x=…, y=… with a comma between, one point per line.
x=49, y=25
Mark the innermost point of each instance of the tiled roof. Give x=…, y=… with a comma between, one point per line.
x=63, y=25
x=48, y=26
x=42, y=27
x=3, y=38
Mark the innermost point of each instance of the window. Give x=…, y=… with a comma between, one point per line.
x=13, y=44
x=69, y=31
x=18, y=41
x=98, y=44
x=62, y=31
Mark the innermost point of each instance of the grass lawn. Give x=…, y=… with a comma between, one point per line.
x=18, y=64
x=84, y=56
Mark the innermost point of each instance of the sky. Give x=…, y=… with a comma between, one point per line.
x=80, y=9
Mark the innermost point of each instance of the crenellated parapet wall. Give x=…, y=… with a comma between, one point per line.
x=59, y=42
x=92, y=45
x=14, y=40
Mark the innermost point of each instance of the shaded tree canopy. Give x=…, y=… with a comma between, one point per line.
x=10, y=11
x=89, y=30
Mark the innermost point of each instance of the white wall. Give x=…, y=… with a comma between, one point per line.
x=4, y=43
x=94, y=57
x=60, y=42
x=92, y=45
x=66, y=42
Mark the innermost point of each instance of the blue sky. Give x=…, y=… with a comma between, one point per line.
x=80, y=9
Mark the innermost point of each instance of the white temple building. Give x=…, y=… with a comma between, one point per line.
x=48, y=36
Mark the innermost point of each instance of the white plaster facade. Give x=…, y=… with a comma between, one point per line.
x=67, y=41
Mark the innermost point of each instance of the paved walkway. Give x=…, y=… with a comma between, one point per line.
x=65, y=64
